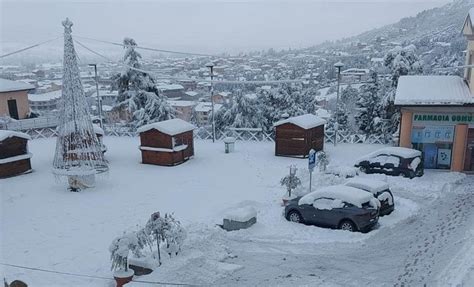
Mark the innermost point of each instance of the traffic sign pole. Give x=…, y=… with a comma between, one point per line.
x=311, y=165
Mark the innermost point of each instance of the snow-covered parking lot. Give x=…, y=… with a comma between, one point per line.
x=44, y=226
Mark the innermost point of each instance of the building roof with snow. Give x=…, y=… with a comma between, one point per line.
x=306, y=122
x=170, y=127
x=12, y=86
x=206, y=107
x=432, y=90
x=4, y=134
x=45, y=97
x=170, y=87
x=468, y=29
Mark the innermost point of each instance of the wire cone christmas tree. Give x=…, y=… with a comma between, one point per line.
x=78, y=152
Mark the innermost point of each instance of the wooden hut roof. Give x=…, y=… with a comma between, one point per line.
x=306, y=122
x=169, y=127
x=4, y=134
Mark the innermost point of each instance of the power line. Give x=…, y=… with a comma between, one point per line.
x=27, y=48
x=149, y=49
x=183, y=79
x=93, y=276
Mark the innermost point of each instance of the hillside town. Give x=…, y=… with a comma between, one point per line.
x=347, y=163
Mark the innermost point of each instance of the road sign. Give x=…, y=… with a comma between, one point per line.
x=312, y=159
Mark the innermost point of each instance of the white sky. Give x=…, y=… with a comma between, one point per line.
x=203, y=26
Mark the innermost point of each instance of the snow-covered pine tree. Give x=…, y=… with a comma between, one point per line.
x=78, y=151
x=369, y=107
x=137, y=91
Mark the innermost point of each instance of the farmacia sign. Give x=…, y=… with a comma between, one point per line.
x=445, y=118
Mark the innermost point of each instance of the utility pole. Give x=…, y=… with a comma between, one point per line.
x=211, y=67
x=99, y=100
x=338, y=66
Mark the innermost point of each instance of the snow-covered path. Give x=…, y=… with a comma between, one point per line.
x=427, y=248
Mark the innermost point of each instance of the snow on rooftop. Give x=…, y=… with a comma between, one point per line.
x=432, y=90
x=182, y=103
x=369, y=184
x=170, y=127
x=11, y=86
x=45, y=96
x=206, y=107
x=4, y=134
x=170, y=87
x=307, y=121
x=348, y=194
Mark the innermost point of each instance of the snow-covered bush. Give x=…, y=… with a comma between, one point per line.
x=322, y=160
x=120, y=248
x=291, y=181
x=166, y=230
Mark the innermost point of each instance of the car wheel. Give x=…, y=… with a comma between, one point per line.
x=410, y=174
x=347, y=225
x=295, y=216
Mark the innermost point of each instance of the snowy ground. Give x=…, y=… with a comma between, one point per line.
x=428, y=239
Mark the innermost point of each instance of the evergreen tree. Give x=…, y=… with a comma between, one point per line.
x=369, y=106
x=78, y=151
x=137, y=91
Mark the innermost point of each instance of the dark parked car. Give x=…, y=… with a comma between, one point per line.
x=393, y=161
x=379, y=189
x=337, y=206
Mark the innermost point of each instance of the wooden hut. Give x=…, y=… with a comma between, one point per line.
x=296, y=136
x=166, y=143
x=14, y=155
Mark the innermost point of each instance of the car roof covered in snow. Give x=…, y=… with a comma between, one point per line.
x=307, y=121
x=170, y=127
x=371, y=185
x=432, y=90
x=345, y=193
x=397, y=151
x=4, y=134
x=11, y=86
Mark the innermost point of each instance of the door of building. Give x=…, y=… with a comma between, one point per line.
x=13, y=109
x=430, y=152
x=469, y=160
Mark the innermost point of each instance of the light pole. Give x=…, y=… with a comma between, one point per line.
x=99, y=101
x=338, y=66
x=211, y=67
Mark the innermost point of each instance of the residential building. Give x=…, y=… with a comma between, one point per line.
x=14, y=99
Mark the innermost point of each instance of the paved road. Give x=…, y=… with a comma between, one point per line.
x=412, y=253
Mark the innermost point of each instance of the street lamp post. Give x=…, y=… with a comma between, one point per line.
x=211, y=67
x=99, y=100
x=338, y=66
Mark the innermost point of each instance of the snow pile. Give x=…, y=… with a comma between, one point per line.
x=241, y=214
x=328, y=204
x=414, y=163
x=307, y=121
x=348, y=194
x=372, y=185
x=386, y=196
x=170, y=127
x=4, y=134
x=98, y=130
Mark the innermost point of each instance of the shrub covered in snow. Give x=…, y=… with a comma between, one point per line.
x=322, y=160
x=291, y=181
x=120, y=248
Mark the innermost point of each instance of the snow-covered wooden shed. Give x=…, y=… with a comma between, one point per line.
x=166, y=143
x=296, y=136
x=14, y=155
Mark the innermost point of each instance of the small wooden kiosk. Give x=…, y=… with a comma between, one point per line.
x=296, y=136
x=14, y=155
x=167, y=143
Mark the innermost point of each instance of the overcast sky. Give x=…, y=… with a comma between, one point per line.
x=203, y=26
